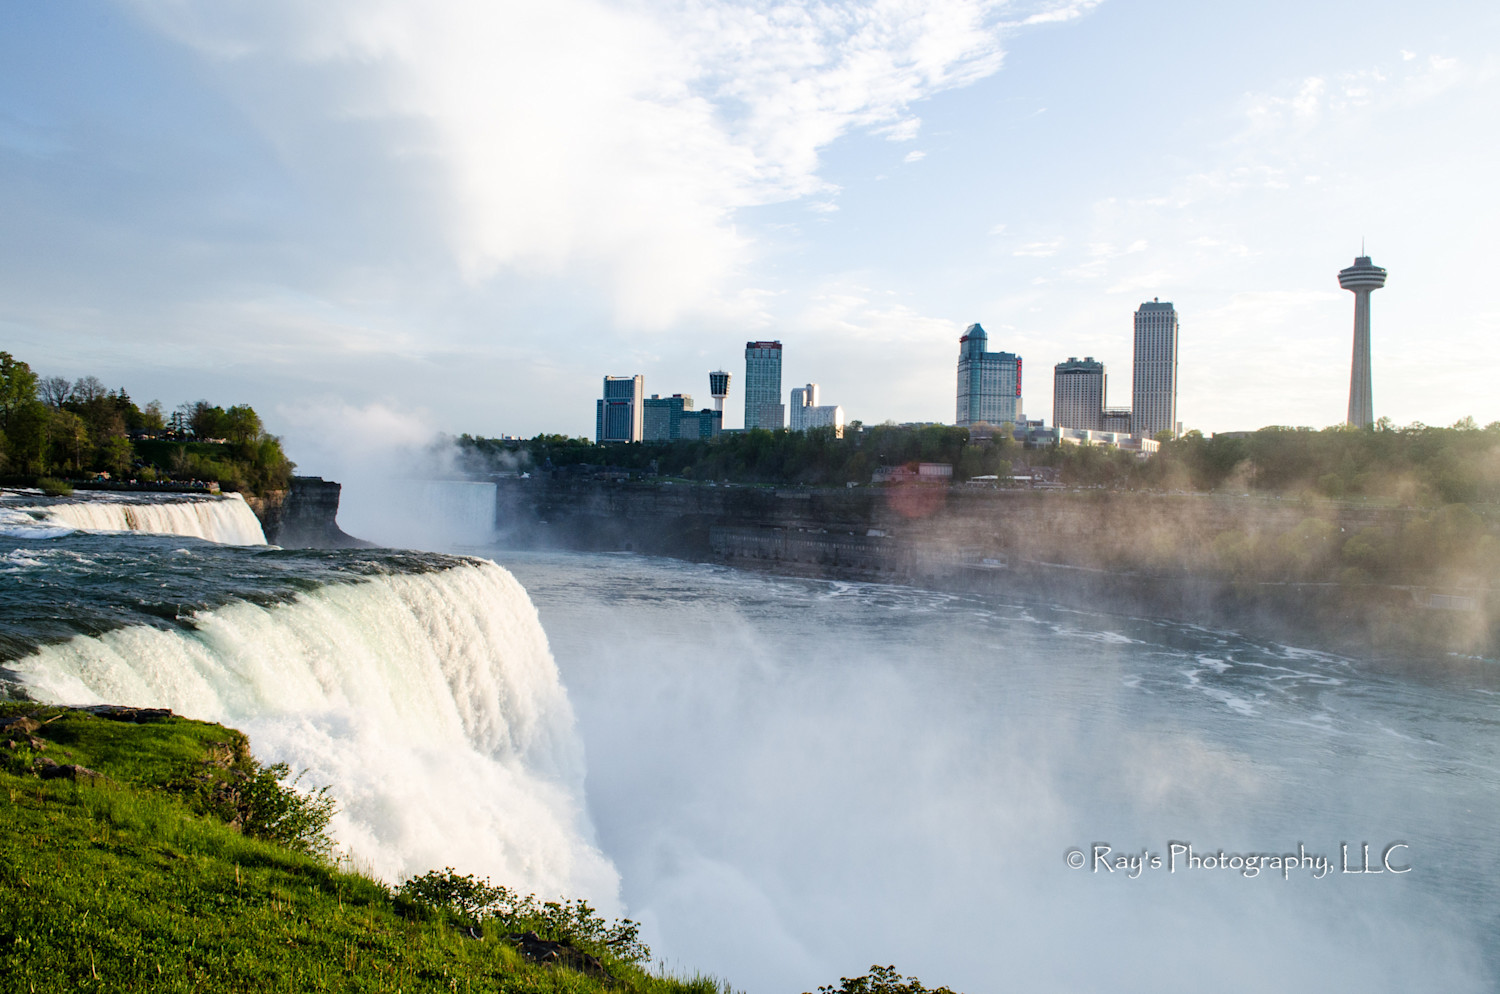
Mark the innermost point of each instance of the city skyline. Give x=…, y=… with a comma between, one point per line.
x=382, y=225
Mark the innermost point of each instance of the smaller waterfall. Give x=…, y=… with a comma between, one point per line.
x=225, y=519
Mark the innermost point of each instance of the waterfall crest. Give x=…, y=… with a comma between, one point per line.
x=225, y=519
x=430, y=702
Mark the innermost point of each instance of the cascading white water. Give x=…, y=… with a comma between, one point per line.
x=226, y=519
x=423, y=514
x=429, y=702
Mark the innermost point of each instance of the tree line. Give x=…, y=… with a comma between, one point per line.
x=53, y=428
x=1417, y=464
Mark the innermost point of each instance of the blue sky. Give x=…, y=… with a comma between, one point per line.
x=390, y=218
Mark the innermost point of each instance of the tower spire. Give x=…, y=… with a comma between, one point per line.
x=1361, y=279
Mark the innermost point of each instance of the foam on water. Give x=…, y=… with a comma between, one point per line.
x=429, y=701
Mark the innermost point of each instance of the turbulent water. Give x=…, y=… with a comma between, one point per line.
x=790, y=780
x=797, y=779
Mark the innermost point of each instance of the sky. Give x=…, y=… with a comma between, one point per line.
x=370, y=218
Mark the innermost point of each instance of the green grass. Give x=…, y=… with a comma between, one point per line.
x=134, y=883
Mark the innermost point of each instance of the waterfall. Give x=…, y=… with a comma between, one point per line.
x=226, y=519
x=430, y=702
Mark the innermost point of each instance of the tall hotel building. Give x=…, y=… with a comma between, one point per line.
x=1078, y=394
x=989, y=383
x=763, y=406
x=620, y=414
x=1153, y=401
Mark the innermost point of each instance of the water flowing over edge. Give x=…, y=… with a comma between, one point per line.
x=225, y=519
x=429, y=702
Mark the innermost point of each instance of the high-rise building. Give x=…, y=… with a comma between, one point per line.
x=807, y=413
x=802, y=399
x=1078, y=394
x=700, y=424
x=1361, y=279
x=1153, y=400
x=989, y=383
x=620, y=413
x=1115, y=419
x=763, y=406
x=664, y=416
x=718, y=387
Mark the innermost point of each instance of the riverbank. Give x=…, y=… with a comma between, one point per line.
x=1306, y=571
x=128, y=863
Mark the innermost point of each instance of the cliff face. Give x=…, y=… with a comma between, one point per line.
x=305, y=516
x=1262, y=565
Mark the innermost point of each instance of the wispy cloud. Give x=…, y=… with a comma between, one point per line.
x=609, y=140
x=1039, y=249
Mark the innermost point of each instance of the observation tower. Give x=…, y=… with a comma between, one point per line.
x=718, y=386
x=1360, y=279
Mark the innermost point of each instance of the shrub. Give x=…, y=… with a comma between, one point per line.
x=263, y=804
x=881, y=980
x=54, y=488
x=475, y=901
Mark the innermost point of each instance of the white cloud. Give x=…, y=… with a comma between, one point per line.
x=1039, y=249
x=901, y=131
x=609, y=140
x=914, y=156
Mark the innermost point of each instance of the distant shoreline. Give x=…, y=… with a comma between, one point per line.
x=1135, y=554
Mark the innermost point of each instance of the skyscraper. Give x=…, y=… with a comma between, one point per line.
x=989, y=383
x=620, y=413
x=763, y=406
x=1078, y=394
x=1361, y=279
x=1153, y=401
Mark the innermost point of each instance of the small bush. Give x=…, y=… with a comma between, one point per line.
x=54, y=487
x=279, y=812
x=881, y=980
x=476, y=901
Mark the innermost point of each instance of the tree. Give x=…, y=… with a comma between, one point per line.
x=153, y=418
x=17, y=389
x=67, y=439
x=241, y=424
x=206, y=420
x=55, y=391
x=88, y=388
x=116, y=456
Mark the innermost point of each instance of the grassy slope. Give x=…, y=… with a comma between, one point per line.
x=122, y=885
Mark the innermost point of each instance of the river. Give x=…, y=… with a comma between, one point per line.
x=789, y=780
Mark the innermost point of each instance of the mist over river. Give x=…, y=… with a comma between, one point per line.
x=796, y=779
x=788, y=780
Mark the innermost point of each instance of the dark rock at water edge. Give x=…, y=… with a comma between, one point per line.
x=305, y=516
